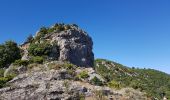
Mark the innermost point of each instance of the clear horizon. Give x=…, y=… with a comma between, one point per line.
x=133, y=33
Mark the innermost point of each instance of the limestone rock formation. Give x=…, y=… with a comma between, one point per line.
x=70, y=43
x=75, y=46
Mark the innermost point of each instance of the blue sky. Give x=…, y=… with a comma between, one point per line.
x=131, y=32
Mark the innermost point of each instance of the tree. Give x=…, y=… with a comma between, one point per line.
x=9, y=52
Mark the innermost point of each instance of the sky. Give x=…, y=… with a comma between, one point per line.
x=135, y=33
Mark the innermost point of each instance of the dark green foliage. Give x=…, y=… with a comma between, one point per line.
x=150, y=81
x=39, y=49
x=96, y=81
x=43, y=30
x=4, y=80
x=37, y=59
x=21, y=62
x=114, y=84
x=2, y=72
x=69, y=66
x=60, y=27
x=9, y=52
x=84, y=74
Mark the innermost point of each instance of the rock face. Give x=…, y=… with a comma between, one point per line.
x=75, y=46
x=41, y=86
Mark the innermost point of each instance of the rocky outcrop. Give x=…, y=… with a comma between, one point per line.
x=75, y=46
x=70, y=44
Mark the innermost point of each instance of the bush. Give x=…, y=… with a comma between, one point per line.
x=114, y=84
x=2, y=72
x=21, y=62
x=83, y=74
x=96, y=81
x=37, y=59
x=9, y=52
x=69, y=66
x=4, y=80
x=39, y=49
x=136, y=85
x=59, y=27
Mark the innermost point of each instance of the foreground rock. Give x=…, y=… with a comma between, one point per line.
x=59, y=84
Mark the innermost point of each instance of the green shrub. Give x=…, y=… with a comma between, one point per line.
x=2, y=72
x=71, y=72
x=59, y=27
x=37, y=59
x=83, y=74
x=43, y=30
x=69, y=66
x=114, y=84
x=96, y=81
x=51, y=30
x=9, y=52
x=4, y=80
x=136, y=85
x=21, y=62
x=40, y=49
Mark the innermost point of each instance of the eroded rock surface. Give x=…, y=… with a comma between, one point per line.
x=75, y=46
x=58, y=85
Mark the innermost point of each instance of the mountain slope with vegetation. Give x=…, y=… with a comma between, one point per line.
x=155, y=83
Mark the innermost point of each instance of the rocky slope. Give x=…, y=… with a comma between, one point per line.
x=59, y=81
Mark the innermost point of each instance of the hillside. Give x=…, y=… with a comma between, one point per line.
x=155, y=83
x=58, y=64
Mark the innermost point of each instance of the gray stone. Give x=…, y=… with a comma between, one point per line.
x=40, y=86
x=75, y=46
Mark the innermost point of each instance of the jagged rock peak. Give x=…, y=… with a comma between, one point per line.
x=69, y=43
